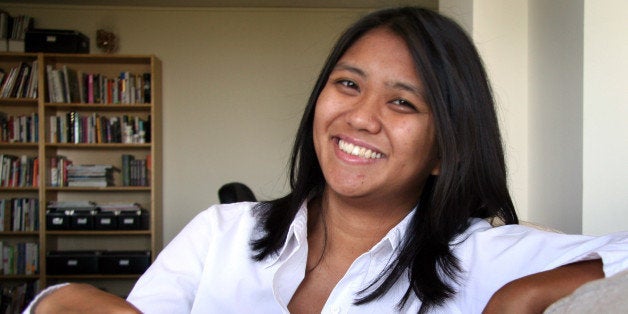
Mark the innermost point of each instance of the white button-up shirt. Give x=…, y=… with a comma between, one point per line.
x=208, y=268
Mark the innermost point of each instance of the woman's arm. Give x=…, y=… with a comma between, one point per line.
x=82, y=298
x=534, y=293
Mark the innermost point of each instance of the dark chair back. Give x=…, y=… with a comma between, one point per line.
x=235, y=192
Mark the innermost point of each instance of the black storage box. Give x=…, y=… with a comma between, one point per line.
x=57, y=220
x=133, y=220
x=105, y=221
x=81, y=219
x=124, y=262
x=72, y=262
x=55, y=40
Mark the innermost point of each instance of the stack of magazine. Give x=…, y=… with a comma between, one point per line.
x=90, y=175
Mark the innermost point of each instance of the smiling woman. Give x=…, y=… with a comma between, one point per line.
x=396, y=165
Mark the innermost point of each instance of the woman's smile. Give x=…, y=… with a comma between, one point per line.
x=358, y=150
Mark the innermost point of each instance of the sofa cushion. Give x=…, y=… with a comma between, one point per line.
x=608, y=295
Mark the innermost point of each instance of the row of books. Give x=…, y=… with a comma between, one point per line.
x=64, y=173
x=20, y=258
x=19, y=128
x=136, y=172
x=75, y=127
x=59, y=171
x=15, y=297
x=14, y=27
x=22, y=171
x=67, y=85
x=90, y=175
x=19, y=81
x=19, y=214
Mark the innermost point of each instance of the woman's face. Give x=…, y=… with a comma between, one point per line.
x=373, y=131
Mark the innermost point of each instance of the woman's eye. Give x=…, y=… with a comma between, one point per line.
x=406, y=105
x=348, y=84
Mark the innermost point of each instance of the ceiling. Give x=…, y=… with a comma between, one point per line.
x=433, y=4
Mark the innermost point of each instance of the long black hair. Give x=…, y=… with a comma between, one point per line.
x=472, y=179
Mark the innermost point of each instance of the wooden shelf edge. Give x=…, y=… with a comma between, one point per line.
x=19, y=189
x=98, y=232
x=98, y=145
x=94, y=106
x=19, y=233
x=20, y=277
x=95, y=276
x=97, y=189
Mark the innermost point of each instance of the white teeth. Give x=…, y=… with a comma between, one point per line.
x=358, y=150
x=355, y=151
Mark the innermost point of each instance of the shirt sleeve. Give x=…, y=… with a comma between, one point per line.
x=170, y=283
x=491, y=257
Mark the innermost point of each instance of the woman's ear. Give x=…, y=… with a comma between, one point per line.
x=436, y=170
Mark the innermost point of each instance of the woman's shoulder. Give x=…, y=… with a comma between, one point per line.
x=226, y=216
x=532, y=246
x=224, y=224
x=494, y=228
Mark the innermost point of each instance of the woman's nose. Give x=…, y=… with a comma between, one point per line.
x=365, y=115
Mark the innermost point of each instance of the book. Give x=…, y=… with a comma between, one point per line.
x=89, y=85
x=90, y=175
x=50, y=81
x=126, y=169
x=19, y=90
x=66, y=83
x=31, y=91
x=58, y=95
x=147, y=88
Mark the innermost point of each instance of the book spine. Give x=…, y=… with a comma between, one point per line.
x=90, y=88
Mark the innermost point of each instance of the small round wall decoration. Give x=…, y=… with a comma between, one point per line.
x=106, y=41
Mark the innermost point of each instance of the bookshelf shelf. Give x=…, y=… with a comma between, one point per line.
x=100, y=233
x=19, y=233
x=19, y=277
x=99, y=107
x=97, y=146
x=20, y=102
x=19, y=189
x=100, y=189
x=87, y=277
x=125, y=86
x=19, y=145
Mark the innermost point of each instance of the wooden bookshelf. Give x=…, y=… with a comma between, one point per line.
x=85, y=152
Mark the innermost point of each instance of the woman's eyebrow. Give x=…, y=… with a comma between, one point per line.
x=406, y=87
x=350, y=68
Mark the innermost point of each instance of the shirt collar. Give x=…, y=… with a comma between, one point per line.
x=393, y=239
x=297, y=235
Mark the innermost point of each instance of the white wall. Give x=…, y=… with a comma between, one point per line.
x=499, y=30
x=555, y=108
x=558, y=68
x=605, y=124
